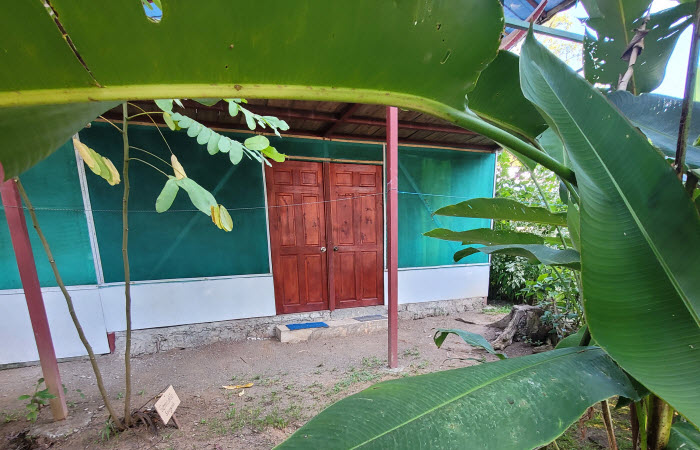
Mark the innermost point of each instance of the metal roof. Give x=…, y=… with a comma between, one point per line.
x=521, y=9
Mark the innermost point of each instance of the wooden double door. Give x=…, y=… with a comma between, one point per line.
x=326, y=235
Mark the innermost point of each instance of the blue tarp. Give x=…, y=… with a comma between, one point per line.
x=521, y=9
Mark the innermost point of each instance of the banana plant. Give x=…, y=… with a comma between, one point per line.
x=637, y=282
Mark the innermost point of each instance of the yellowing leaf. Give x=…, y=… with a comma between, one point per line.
x=238, y=386
x=86, y=155
x=215, y=216
x=177, y=168
x=113, y=171
x=225, y=219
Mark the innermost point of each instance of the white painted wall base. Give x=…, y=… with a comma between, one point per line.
x=180, y=302
x=427, y=284
x=170, y=303
x=17, y=337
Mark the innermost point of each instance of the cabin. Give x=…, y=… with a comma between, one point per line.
x=308, y=236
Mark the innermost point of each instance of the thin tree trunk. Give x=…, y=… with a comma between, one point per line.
x=69, y=303
x=659, y=423
x=689, y=92
x=634, y=422
x=127, y=278
x=612, y=442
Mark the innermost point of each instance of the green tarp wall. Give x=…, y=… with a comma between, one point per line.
x=53, y=187
x=183, y=243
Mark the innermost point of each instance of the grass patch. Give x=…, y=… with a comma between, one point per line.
x=572, y=439
x=411, y=352
x=352, y=377
x=494, y=310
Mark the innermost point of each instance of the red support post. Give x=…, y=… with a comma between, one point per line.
x=32, y=292
x=392, y=222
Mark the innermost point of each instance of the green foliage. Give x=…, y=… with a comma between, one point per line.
x=36, y=401
x=615, y=24
x=621, y=229
x=557, y=293
x=485, y=236
x=254, y=147
x=502, y=209
x=473, y=339
x=445, y=409
x=508, y=276
x=657, y=116
x=24, y=144
x=684, y=436
x=534, y=253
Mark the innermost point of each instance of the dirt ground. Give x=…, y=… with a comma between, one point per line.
x=292, y=383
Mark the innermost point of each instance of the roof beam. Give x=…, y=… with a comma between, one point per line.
x=349, y=111
x=337, y=120
x=305, y=134
x=554, y=32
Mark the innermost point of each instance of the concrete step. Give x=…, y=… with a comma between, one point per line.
x=336, y=328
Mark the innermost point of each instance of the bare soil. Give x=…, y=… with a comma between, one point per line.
x=292, y=383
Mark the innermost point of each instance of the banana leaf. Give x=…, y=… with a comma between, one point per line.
x=614, y=23
x=639, y=232
x=485, y=236
x=470, y=405
x=684, y=436
x=415, y=55
x=535, y=254
x=502, y=209
x=473, y=339
x=657, y=116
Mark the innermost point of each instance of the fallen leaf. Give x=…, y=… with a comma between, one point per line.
x=238, y=386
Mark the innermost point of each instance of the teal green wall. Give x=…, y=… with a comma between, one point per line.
x=441, y=177
x=182, y=242
x=53, y=183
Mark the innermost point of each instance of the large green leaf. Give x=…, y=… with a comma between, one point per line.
x=536, y=254
x=485, y=236
x=684, y=436
x=614, y=23
x=313, y=47
x=640, y=234
x=468, y=407
x=658, y=117
x=502, y=209
x=319, y=55
x=497, y=98
x=29, y=134
x=473, y=339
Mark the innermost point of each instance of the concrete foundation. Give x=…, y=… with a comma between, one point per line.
x=154, y=340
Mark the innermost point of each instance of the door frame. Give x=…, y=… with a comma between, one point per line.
x=326, y=167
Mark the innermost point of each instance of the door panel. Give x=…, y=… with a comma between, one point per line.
x=357, y=224
x=297, y=236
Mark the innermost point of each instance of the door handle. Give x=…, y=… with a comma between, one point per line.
x=335, y=249
x=323, y=249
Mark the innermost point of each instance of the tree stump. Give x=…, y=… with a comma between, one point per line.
x=523, y=322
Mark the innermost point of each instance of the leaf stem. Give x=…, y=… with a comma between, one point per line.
x=154, y=123
x=111, y=123
x=69, y=303
x=145, y=113
x=152, y=154
x=148, y=164
x=689, y=94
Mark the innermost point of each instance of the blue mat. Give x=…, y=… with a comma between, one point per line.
x=301, y=326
